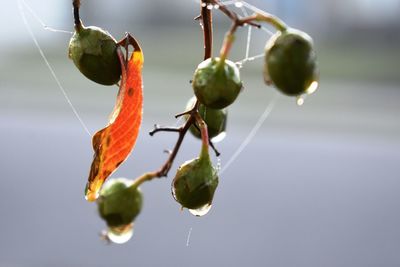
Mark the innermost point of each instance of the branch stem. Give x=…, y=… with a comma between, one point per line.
x=206, y=17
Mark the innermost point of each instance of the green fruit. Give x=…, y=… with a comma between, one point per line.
x=214, y=118
x=195, y=183
x=94, y=53
x=217, y=83
x=119, y=203
x=290, y=62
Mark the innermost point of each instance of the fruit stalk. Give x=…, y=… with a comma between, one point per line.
x=204, y=134
x=271, y=19
x=77, y=21
x=227, y=45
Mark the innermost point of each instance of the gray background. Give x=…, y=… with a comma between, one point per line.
x=317, y=186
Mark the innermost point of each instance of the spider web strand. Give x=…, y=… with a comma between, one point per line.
x=252, y=133
x=40, y=21
x=34, y=39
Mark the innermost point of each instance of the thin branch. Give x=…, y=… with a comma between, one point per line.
x=217, y=153
x=157, y=129
x=193, y=114
x=163, y=171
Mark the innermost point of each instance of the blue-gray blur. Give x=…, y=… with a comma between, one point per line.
x=317, y=186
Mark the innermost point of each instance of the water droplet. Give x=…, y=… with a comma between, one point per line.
x=218, y=168
x=312, y=88
x=201, y=211
x=300, y=101
x=203, y=4
x=121, y=234
x=210, y=6
x=219, y=137
x=216, y=6
x=239, y=64
x=91, y=196
x=239, y=4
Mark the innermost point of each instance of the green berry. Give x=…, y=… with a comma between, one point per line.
x=195, y=182
x=94, y=53
x=214, y=118
x=119, y=203
x=290, y=62
x=216, y=83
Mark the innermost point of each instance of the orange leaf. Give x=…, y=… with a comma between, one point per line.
x=113, y=144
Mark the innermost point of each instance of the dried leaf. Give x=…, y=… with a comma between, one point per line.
x=113, y=144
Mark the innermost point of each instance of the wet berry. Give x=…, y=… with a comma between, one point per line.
x=290, y=62
x=119, y=203
x=94, y=53
x=217, y=83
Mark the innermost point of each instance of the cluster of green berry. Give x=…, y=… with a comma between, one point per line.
x=290, y=66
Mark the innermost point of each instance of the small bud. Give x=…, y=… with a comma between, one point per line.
x=217, y=83
x=290, y=62
x=94, y=53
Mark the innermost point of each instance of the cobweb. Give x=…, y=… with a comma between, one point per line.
x=243, y=6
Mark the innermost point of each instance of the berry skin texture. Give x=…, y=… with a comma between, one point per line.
x=119, y=203
x=217, y=83
x=290, y=62
x=195, y=183
x=94, y=53
x=215, y=119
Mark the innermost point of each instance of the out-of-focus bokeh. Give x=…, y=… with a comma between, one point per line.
x=317, y=186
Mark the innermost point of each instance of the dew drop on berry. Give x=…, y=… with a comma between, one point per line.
x=239, y=64
x=201, y=211
x=312, y=88
x=239, y=4
x=120, y=235
x=219, y=137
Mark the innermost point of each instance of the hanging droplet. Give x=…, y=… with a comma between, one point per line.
x=219, y=137
x=201, y=211
x=216, y=6
x=300, y=100
x=91, y=196
x=121, y=234
x=210, y=6
x=239, y=4
x=203, y=4
x=312, y=88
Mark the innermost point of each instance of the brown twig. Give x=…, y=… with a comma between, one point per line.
x=206, y=17
x=193, y=114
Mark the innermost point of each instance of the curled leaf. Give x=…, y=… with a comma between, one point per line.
x=113, y=144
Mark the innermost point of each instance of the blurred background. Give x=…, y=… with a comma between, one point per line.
x=317, y=186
